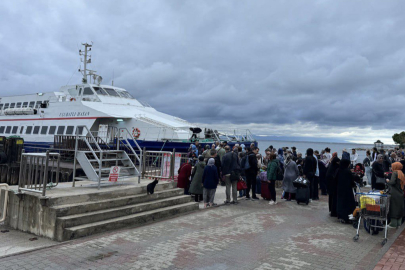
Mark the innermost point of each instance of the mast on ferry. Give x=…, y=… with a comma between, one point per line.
x=87, y=60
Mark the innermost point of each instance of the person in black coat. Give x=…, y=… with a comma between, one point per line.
x=378, y=170
x=345, y=197
x=322, y=177
x=332, y=184
x=310, y=165
x=251, y=173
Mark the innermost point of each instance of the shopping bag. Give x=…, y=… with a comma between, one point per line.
x=241, y=185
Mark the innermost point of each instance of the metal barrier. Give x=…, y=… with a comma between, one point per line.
x=3, y=213
x=37, y=172
x=162, y=165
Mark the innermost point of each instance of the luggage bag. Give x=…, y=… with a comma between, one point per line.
x=265, y=190
x=302, y=195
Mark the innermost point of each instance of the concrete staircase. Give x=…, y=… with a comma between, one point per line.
x=83, y=215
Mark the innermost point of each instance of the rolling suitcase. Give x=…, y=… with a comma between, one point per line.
x=302, y=195
x=265, y=190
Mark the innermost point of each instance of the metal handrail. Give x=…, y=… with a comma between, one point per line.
x=5, y=200
x=128, y=145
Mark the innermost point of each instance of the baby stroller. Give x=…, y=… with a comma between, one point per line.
x=358, y=174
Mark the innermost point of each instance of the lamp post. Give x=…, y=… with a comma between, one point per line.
x=379, y=145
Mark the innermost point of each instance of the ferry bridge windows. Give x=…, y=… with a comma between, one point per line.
x=44, y=130
x=36, y=130
x=69, y=130
x=32, y=104
x=12, y=105
x=52, y=130
x=25, y=105
x=61, y=130
x=6, y=106
x=87, y=91
x=38, y=104
x=28, y=130
x=2, y=129
x=1, y=107
x=8, y=129
x=111, y=92
x=18, y=104
x=100, y=91
x=14, y=131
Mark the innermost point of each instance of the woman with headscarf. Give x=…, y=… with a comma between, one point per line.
x=183, y=178
x=378, y=171
x=310, y=166
x=280, y=158
x=196, y=187
x=210, y=180
x=291, y=173
x=345, y=198
x=332, y=183
x=396, y=185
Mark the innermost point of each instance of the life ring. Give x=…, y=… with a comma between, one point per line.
x=72, y=99
x=136, y=133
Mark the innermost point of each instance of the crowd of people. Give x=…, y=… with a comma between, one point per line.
x=327, y=174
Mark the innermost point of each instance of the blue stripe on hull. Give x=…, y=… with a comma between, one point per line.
x=182, y=147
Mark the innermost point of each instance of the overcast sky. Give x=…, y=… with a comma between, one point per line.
x=332, y=69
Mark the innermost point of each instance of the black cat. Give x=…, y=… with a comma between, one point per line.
x=150, y=188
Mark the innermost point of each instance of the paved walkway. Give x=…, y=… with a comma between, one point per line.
x=250, y=235
x=395, y=256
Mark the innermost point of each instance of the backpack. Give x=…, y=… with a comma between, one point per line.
x=246, y=166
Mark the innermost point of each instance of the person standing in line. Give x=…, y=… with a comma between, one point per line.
x=386, y=161
x=353, y=158
x=251, y=173
x=377, y=171
x=242, y=158
x=315, y=191
x=280, y=158
x=294, y=151
x=367, y=166
x=199, y=147
x=322, y=174
x=272, y=168
x=345, y=155
x=207, y=153
x=374, y=155
x=221, y=151
x=183, y=179
x=309, y=169
x=328, y=156
x=230, y=162
x=210, y=182
x=291, y=173
x=345, y=198
x=215, y=156
x=396, y=185
x=332, y=184
x=196, y=181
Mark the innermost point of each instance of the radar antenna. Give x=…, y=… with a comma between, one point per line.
x=87, y=60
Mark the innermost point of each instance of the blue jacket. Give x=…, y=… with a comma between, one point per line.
x=210, y=177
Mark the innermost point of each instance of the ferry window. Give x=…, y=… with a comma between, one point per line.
x=79, y=130
x=28, y=130
x=18, y=105
x=38, y=104
x=69, y=130
x=6, y=106
x=21, y=130
x=87, y=92
x=52, y=130
x=36, y=130
x=8, y=129
x=44, y=130
x=2, y=129
x=1, y=106
x=12, y=105
x=25, y=104
x=61, y=130
x=100, y=91
x=14, y=131
x=32, y=104
x=125, y=94
x=111, y=92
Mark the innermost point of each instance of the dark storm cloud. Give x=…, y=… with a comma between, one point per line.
x=332, y=64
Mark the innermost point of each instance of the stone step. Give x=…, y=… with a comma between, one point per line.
x=125, y=221
x=80, y=208
x=105, y=214
x=105, y=193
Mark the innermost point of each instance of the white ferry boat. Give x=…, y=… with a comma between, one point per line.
x=38, y=117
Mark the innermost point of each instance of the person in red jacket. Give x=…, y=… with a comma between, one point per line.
x=183, y=179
